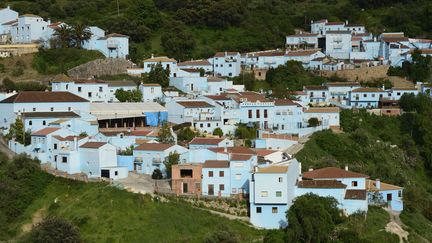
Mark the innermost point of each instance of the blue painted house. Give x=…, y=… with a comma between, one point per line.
x=216, y=178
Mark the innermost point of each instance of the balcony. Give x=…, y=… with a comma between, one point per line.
x=156, y=160
x=112, y=45
x=138, y=160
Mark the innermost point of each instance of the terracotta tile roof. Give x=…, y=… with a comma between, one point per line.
x=320, y=184
x=233, y=150
x=65, y=114
x=45, y=131
x=160, y=59
x=150, y=84
x=93, y=145
x=371, y=186
x=355, y=194
x=426, y=51
x=153, y=146
x=43, y=97
x=264, y=152
x=315, y=87
x=228, y=53
x=335, y=23
x=121, y=83
x=194, y=63
x=270, y=53
x=190, y=70
x=207, y=141
x=273, y=169
x=62, y=78
x=394, y=39
x=367, y=89
x=301, y=53
x=285, y=102
x=240, y=157
x=194, y=104
x=354, y=25
x=252, y=96
x=215, y=79
x=339, y=32
x=323, y=110
x=216, y=164
x=89, y=81
x=332, y=173
x=11, y=22
x=319, y=59
x=218, y=97
x=320, y=21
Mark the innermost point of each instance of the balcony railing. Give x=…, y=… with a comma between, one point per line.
x=156, y=160
x=138, y=160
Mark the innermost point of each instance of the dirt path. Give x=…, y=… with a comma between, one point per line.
x=36, y=218
x=5, y=148
x=396, y=226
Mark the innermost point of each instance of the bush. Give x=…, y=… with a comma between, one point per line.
x=218, y=132
x=157, y=174
x=313, y=122
x=54, y=230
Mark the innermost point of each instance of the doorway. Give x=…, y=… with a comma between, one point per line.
x=211, y=189
x=105, y=173
x=185, y=188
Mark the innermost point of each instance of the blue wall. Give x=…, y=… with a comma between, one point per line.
x=153, y=119
x=126, y=160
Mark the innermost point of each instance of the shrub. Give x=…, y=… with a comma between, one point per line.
x=54, y=230
x=313, y=122
x=218, y=132
x=157, y=174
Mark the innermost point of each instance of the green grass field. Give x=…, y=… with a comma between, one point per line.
x=106, y=214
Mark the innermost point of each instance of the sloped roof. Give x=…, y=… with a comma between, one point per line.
x=194, y=104
x=371, y=186
x=323, y=110
x=265, y=152
x=120, y=83
x=228, y=53
x=301, y=53
x=315, y=87
x=154, y=146
x=285, y=102
x=216, y=164
x=240, y=157
x=233, y=150
x=332, y=172
x=64, y=114
x=367, y=89
x=62, y=78
x=355, y=194
x=160, y=59
x=273, y=169
x=342, y=84
x=194, y=63
x=113, y=35
x=320, y=184
x=207, y=141
x=93, y=145
x=43, y=97
x=45, y=131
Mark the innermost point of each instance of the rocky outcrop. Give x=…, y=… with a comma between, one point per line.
x=100, y=67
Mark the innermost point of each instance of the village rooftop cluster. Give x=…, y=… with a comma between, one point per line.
x=80, y=127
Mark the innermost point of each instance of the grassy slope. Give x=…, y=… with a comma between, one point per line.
x=104, y=213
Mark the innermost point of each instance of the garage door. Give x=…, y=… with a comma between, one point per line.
x=105, y=173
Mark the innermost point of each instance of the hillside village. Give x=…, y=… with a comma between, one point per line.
x=80, y=129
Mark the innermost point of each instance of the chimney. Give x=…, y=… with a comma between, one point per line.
x=75, y=143
x=346, y=167
x=346, y=22
x=226, y=53
x=378, y=184
x=152, y=56
x=49, y=21
x=310, y=169
x=374, y=39
x=300, y=168
x=8, y=7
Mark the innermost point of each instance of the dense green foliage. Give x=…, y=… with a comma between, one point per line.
x=394, y=149
x=218, y=132
x=101, y=212
x=164, y=134
x=185, y=135
x=55, y=61
x=8, y=86
x=172, y=159
x=158, y=75
x=246, y=132
x=226, y=24
x=134, y=95
x=53, y=230
x=419, y=70
x=16, y=131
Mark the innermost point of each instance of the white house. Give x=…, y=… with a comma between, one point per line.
x=6, y=15
x=112, y=45
x=151, y=92
x=338, y=44
x=28, y=28
x=302, y=40
x=226, y=64
x=39, y=101
x=202, y=143
x=197, y=64
x=366, y=97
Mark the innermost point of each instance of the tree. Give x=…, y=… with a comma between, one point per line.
x=164, y=135
x=134, y=95
x=218, y=132
x=64, y=34
x=158, y=75
x=16, y=131
x=312, y=218
x=313, y=122
x=157, y=174
x=177, y=41
x=8, y=85
x=172, y=159
x=52, y=230
x=186, y=134
x=80, y=33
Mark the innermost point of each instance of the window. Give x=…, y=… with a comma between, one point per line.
x=230, y=65
x=30, y=123
x=398, y=93
x=274, y=210
x=399, y=193
x=258, y=210
x=323, y=94
x=221, y=187
x=280, y=179
x=257, y=113
x=89, y=94
x=201, y=125
x=238, y=177
x=264, y=193
x=230, y=74
x=373, y=95
x=354, y=183
x=100, y=89
x=364, y=95
x=278, y=194
x=69, y=108
x=34, y=109
x=64, y=159
x=152, y=90
x=52, y=109
x=221, y=173
x=250, y=113
x=208, y=124
x=79, y=89
x=234, y=191
x=67, y=86
x=44, y=123
x=265, y=113
x=116, y=173
x=210, y=173
x=55, y=146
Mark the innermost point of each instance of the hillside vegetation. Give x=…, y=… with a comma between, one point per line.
x=186, y=28
x=101, y=212
x=394, y=149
